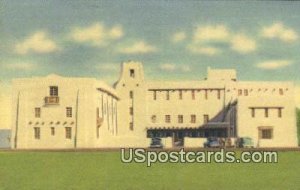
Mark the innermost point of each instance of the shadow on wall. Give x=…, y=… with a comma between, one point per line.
x=5, y=138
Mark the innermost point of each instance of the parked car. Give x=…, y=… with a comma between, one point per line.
x=212, y=142
x=244, y=142
x=156, y=143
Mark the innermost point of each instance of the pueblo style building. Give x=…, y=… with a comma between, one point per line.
x=57, y=112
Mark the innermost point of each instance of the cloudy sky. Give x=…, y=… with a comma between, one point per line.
x=175, y=40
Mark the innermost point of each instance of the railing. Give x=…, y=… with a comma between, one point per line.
x=51, y=100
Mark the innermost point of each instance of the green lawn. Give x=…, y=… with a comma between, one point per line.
x=104, y=170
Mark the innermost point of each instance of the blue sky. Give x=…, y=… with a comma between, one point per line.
x=175, y=40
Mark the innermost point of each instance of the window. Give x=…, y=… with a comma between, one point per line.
x=68, y=132
x=98, y=132
x=205, y=94
x=153, y=118
x=252, y=112
x=131, y=94
x=193, y=94
x=180, y=94
x=205, y=119
x=131, y=73
x=37, y=133
x=131, y=110
x=280, y=91
x=279, y=112
x=219, y=94
x=69, y=111
x=266, y=112
x=167, y=118
x=53, y=91
x=131, y=126
x=97, y=112
x=246, y=92
x=266, y=133
x=52, y=131
x=37, y=112
x=180, y=118
x=193, y=118
x=168, y=95
x=154, y=95
x=240, y=92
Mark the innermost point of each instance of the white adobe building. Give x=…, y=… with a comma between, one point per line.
x=58, y=112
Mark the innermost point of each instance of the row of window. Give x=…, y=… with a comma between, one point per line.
x=245, y=92
x=37, y=132
x=180, y=94
x=264, y=133
x=69, y=113
x=192, y=118
x=266, y=112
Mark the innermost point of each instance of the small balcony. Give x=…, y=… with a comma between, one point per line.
x=51, y=100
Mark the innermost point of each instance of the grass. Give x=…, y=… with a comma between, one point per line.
x=104, y=170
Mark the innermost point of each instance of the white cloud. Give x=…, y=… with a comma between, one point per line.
x=167, y=67
x=21, y=66
x=39, y=42
x=185, y=68
x=205, y=50
x=178, y=37
x=279, y=31
x=274, y=64
x=173, y=67
x=96, y=34
x=116, y=32
x=108, y=67
x=243, y=44
x=138, y=48
x=211, y=33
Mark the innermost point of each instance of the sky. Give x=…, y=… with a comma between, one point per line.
x=175, y=40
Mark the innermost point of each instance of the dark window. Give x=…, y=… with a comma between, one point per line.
x=180, y=118
x=205, y=119
x=68, y=132
x=168, y=95
x=279, y=112
x=37, y=112
x=131, y=110
x=53, y=91
x=266, y=112
x=132, y=73
x=37, y=133
x=180, y=94
x=206, y=95
x=131, y=126
x=153, y=118
x=252, y=112
x=167, y=118
x=154, y=95
x=246, y=92
x=193, y=94
x=69, y=111
x=240, y=92
x=52, y=131
x=193, y=118
x=219, y=94
x=131, y=94
x=98, y=132
x=280, y=91
x=266, y=133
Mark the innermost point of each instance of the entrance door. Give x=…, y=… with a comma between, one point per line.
x=178, y=138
